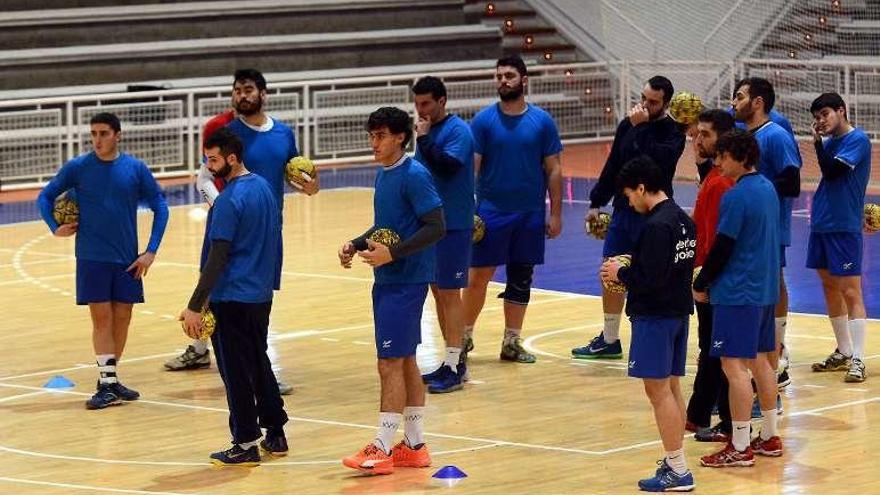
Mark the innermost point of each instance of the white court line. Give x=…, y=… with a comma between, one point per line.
x=20, y=396
x=78, y=366
x=527, y=343
x=36, y=280
x=40, y=262
x=82, y=487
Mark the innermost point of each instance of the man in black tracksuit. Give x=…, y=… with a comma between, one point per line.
x=659, y=304
x=646, y=131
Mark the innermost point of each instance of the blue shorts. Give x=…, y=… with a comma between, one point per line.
x=454, y=259
x=838, y=252
x=105, y=282
x=623, y=232
x=742, y=331
x=397, y=318
x=511, y=237
x=658, y=346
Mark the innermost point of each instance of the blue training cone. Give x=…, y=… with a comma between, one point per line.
x=449, y=476
x=59, y=381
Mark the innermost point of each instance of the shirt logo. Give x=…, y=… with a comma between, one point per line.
x=459, y=275
x=717, y=344
x=848, y=266
x=632, y=364
x=386, y=344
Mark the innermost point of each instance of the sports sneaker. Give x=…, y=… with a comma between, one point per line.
x=414, y=457
x=666, y=480
x=284, y=388
x=772, y=447
x=729, y=457
x=236, y=456
x=713, y=434
x=434, y=375
x=693, y=427
x=834, y=362
x=446, y=381
x=189, y=360
x=371, y=460
x=598, y=349
x=756, y=408
x=514, y=351
x=856, y=373
x=105, y=396
x=779, y=409
x=467, y=345
x=275, y=443
x=783, y=379
x=124, y=392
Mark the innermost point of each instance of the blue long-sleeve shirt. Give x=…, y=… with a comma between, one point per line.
x=107, y=194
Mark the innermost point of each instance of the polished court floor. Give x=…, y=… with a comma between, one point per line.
x=557, y=426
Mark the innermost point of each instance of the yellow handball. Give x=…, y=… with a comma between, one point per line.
x=479, y=229
x=65, y=211
x=386, y=237
x=872, y=216
x=297, y=167
x=617, y=287
x=598, y=228
x=209, y=323
x=685, y=108
x=696, y=274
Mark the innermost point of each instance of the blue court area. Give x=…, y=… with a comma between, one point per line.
x=573, y=259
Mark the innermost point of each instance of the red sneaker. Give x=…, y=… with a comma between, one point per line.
x=772, y=447
x=729, y=457
x=405, y=456
x=370, y=460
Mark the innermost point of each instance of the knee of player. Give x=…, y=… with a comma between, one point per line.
x=519, y=283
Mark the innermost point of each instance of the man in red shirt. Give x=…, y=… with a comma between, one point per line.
x=710, y=381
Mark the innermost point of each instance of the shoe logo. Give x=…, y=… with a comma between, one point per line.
x=386, y=344
x=598, y=349
x=459, y=275
x=717, y=344
x=232, y=455
x=847, y=266
x=632, y=364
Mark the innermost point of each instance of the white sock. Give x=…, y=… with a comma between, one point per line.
x=511, y=334
x=611, y=329
x=841, y=333
x=469, y=331
x=453, y=354
x=200, y=346
x=768, y=424
x=741, y=434
x=780, y=323
x=389, y=422
x=413, y=431
x=857, y=332
x=249, y=445
x=106, y=368
x=676, y=461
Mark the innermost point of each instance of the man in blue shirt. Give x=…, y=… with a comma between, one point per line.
x=238, y=280
x=741, y=277
x=780, y=162
x=268, y=145
x=407, y=203
x=835, y=246
x=109, y=271
x=445, y=146
x=517, y=163
x=649, y=131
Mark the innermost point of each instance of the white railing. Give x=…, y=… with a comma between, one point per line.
x=586, y=100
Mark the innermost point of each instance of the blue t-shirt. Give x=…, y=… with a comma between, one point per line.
x=774, y=116
x=107, y=194
x=453, y=137
x=404, y=193
x=246, y=214
x=749, y=215
x=837, y=204
x=513, y=149
x=266, y=153
x=778, y=152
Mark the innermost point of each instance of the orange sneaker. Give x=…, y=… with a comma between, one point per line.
x=405, y=456
x=370, y=460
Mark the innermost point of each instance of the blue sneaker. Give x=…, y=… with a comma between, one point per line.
x=598, y=349
x=236, y=456
x=275, y=443
x=756, y=407
x=123, y=392
x=434, y=375
x=666, y=480
x=447, y=381
x=105, y=396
